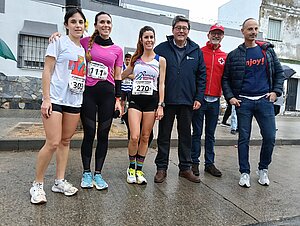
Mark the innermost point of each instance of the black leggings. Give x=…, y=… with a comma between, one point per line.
x=100, y=99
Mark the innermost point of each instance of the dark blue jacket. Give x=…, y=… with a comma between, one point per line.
x=235, y=67
x=185, y=81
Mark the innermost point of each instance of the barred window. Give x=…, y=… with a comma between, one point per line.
x=274, y=30
x=32, y=50
x=33, y=43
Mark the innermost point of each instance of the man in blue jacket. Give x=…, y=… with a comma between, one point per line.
x=184, y=92
x=252, y=80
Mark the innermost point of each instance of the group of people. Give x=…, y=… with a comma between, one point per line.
x=82, y=79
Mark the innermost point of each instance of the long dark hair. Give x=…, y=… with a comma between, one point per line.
x=139, y=47
x=88, y=55
x=71, y=12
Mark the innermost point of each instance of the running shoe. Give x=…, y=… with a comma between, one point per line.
x=263, y=177
x=245, y=180
x=140, y=177
x=64, y=187
x=99, y=183
x=87, y=180
x=131, y=178
x=38, y=195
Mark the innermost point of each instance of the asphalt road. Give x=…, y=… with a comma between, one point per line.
x=215, y=201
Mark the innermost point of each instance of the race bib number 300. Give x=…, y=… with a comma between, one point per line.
x=97, y=70
x=76, y=84
x=142, y=87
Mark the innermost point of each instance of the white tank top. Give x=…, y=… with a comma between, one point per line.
x=147, y=70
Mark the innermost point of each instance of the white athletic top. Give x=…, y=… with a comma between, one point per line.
x=147, y=71
x=68, y=78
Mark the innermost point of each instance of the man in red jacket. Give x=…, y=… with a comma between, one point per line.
x=214, y=59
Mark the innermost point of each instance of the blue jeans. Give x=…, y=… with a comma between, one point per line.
x=263, y=111
x=209, y=110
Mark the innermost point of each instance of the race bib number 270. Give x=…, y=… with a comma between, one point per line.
x=142, y=87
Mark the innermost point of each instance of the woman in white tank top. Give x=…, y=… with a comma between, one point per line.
x=146, y=102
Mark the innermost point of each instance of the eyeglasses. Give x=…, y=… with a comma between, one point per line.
x=217, y=33
x=179, y=28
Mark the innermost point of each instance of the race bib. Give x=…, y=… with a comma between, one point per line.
x=142, y=87
x=97, y=70
x=76, y=83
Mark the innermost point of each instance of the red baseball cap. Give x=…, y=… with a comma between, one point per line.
x=216, y=27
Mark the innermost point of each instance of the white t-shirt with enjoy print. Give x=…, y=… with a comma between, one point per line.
x=68, y=78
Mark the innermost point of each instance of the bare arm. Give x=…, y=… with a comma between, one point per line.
x=161, y=91
x=162, y=76
x=127, y=72
x=117, y=73
x=46, y=107
x=117, y=76
x=131, y=76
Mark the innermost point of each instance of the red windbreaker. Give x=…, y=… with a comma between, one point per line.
x=214, y=62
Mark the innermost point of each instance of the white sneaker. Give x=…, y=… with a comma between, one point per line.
x=140, y=177
x=38, y=195
x=64, y=187
x=131, y=179
x=245, y=180
x=263, y=177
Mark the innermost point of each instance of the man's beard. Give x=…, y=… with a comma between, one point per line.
x=215, y=42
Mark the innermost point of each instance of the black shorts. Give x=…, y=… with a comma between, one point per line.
x=144, y=103
x=63, y=108
x=125, y=95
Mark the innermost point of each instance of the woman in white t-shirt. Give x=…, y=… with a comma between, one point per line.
x=63, y=82
x=146, y=100
x=101, y=98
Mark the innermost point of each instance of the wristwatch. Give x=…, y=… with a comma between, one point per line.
x=162, y=104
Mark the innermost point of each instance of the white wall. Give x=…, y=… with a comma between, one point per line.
x=12, y=22
x=233, y=13
x=125, y=30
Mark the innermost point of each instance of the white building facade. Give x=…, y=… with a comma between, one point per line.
x=27, y=25
x=280, y=24
x=38, y=19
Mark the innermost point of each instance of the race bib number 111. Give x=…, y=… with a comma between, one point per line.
x=97, y=70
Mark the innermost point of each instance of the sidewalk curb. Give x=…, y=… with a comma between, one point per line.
x=37, y=143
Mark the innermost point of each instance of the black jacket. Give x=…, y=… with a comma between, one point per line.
x=185, y=81
x=235, y=67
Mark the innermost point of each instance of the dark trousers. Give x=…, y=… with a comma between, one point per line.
x=183, y=115
x=97, y=100
x=210, y=112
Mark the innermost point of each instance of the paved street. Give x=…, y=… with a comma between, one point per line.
x=215, y=201
x=10, y=120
